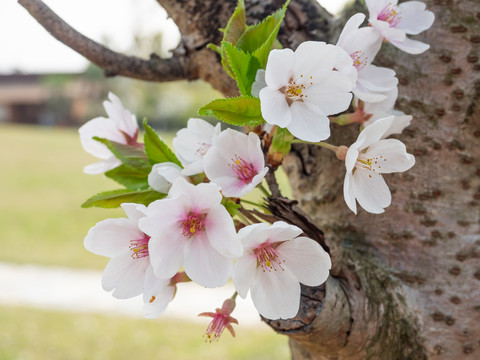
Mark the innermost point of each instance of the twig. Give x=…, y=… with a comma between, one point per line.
x=113, y=63
x=272, y=184
x=248, y=215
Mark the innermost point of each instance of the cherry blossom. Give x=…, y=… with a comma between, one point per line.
x=192, y=229
x=163, y=175
x=235, y=162
x=385, y=109
x=192, y=143
x=274, y=263
x=395, y=21
x=369, y=157
x=129, y=272
x=362, y=44
x=305, y=86
x=120, y=126
x=221, y=321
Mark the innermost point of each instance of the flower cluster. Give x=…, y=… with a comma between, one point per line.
x=186, y=215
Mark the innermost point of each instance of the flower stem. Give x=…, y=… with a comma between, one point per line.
x=251, y=203
x=265, y=191
x=322, y=144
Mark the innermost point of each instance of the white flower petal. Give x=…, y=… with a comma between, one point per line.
x=371, y=191
x=244, y=273
x=384, y=106
x=315, y=59
x=134, y=211
x=349, y=193
x=158, y=303
x=281, y=231
x=351, y=26
x=205, y=265
x=192, y=143
x=166, y=253
x=374, y=132
x=276, y=294
x=399, y=123
x=200, y=197
x=394, y=156
x=351, y=157
x=252, y=235
x=163, y=175
x=157, y=294
x=162, y=215
x=279, y=68
x=414, y=18
x=103, y=128
x=102, y=166
x=411, y=46
x=306, y=259
x=332, y=96
x=124, y=120
x=111, y=237
x=274, y=107
x=377, y=78
x=126, y=275
x=309, y=123
x=221, y=233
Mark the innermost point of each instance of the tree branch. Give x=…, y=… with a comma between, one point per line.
x=113, y=63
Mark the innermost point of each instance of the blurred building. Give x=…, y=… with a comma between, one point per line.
x=46, y=99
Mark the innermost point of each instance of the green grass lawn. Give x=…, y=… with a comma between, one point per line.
x=29, y=334
x=42, y=188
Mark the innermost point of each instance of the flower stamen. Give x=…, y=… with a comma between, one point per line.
x=268, y=257
x=359, y=59
x=244, y=171
x=193, y=224
x=139, y=247
x=370, y=163
x=390, y=14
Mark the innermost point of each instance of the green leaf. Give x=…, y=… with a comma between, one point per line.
x=132, y=157
x=130, y=178
x=239, y=111
x=236, y=25
x=244, y=66
x=156, y=150
x=282, y=141
x=114, y=198
x=232, y=32
x=259, y=39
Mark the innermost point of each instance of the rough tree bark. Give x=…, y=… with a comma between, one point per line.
x=405, y=284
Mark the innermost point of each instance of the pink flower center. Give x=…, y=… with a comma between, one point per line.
x=268, y=257
x=139, y=247
x=193, y=224
x=244, y=171
x=359, y=59
x=390, y=14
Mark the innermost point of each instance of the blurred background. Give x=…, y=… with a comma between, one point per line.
x=51, y=302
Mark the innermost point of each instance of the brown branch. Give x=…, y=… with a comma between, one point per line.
x=113, y=63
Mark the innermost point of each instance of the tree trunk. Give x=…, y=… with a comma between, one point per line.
x=410, y=276
x=404, y=284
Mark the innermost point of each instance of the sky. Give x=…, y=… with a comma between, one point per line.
x=26, y=47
